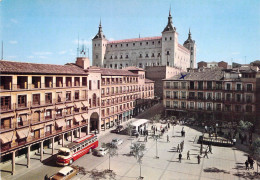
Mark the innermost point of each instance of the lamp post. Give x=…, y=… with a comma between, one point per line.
x=216, y=130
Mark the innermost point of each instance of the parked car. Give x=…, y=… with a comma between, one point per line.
x=101, y=151
x=135, y=132
x=65, y=173
x=117, y=141
x=118, y=129
x=163, y=121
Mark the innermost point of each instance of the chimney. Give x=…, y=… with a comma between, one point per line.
x=83, y=62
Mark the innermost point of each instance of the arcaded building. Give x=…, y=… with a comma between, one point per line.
x=214, y=95
x=164, y=50
x=42, y=104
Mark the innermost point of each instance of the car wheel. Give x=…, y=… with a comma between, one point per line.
x=90, y=151
x=71, y=161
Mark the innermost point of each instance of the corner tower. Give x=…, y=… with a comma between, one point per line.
x=99, y=44
x=169, y=42
x=190, y=45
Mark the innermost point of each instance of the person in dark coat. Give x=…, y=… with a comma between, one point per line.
x=198, y=157
x=246, y=163
x=180, y=156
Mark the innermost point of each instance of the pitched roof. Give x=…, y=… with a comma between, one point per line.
x=148, y=80
x=135, y=40
x=133, y=68
x=210, y=75
x=183, y=48
x=116, y=72
x=34, y=68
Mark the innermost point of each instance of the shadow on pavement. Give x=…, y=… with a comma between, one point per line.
x=216, y=170
x=50, y=161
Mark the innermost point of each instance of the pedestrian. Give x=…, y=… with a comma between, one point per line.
x=136, y=135
x=188, y=155
x=168, y=138
x=156, y=129
x=206, y=154
x=168, y=125
x=141, y=131
x=234, y=141
x=46, y=177
x=198, y=157
x=210, y=149
x=161, y=127
x=251, y=162
x=95, y=132
x=246, y=163
x=178, y=148
x=180, y=156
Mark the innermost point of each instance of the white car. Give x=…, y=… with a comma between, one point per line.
x=102, y=151
x=117, y=141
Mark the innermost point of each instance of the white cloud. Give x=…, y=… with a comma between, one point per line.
x=62, y=52
x=30, y=57
x=81, y=42
x=44, y=53
x=14, y=21
x=111, y=39
x=13, y=42
x=11, y=57
x=42, y=57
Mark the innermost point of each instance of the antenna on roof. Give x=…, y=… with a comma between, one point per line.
x=2, y=56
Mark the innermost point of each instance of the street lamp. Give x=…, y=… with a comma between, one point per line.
x=140, y=154
x=216, y=130
x=156, y=138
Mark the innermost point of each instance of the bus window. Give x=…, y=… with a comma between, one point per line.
x=78, y=149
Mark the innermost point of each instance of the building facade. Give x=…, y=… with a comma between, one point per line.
x=42, y=104
x=212, y=96
x=162, y=50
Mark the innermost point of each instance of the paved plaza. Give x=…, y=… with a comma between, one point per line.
x=224, y=163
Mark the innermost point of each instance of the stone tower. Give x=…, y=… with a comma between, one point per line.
x=169, y=43
x=99, y=44
x=190, y=45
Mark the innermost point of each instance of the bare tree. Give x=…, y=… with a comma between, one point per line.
x=138, y=152
x=156, y=118
x=112, y=150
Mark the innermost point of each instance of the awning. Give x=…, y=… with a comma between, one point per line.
x=78, y=118
x=85, y=116
x=69, y=105
x=61, y=123
x=50, y=107
x=23, y=133
x=6, y=137
x=85, y=103
x=49, y=123
x=39, y=126
x=6, y=115
x=24, y=112
x=61, y=106
x=78, y=104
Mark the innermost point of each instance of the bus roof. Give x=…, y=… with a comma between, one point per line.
x=84, y=138
x=140, y=122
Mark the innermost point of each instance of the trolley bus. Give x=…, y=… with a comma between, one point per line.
x=71, y=152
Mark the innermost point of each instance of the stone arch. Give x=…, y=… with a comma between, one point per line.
x=94, y=121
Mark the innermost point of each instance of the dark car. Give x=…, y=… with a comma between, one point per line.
x=118, y=129
x=135, y=133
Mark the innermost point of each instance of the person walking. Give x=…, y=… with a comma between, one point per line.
x=206, y=154
x=198, y=157
x=178, y=148
x=145, y=139
x=168, y=138
x=180, y=156
x=156, y=128
x=246, y=163
x=210, y=149
x=251, y=162
x=188, y=155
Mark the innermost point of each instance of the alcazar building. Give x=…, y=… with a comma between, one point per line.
x=162, y=50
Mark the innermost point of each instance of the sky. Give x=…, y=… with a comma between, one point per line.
x=47, y=31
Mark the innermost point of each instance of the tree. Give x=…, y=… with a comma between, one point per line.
x=156, y=118
x=156, y=137
x=138, y=152
x=112, y=150
x=245, y=126
x=255, y=150
x=129, y=128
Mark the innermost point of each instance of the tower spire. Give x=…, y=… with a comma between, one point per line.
x=100, y=31
x=170, y=11
x=169, y=26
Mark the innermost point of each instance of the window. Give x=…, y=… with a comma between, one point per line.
x=165, y=38
x=248, y=108
x=218, y=96
x=175, y=104
x=175, y=85
x=159, y=42
x=228, y=86
x=36, y=99
x=140, y=44
x=168, y=104
x=183, y=104
x=200, y=95
x=183, y=95
x=133, y=44
x=5, y=103
x=168, y=94
x=159, y=55
x=76, y=96
x=96, y=56
x=200, y=85
x=90, y=87
x=183, y=85
x=209, y=96
x=239, y=87
x=68, y=96
x=249, y=87
x=98, y=84
x=168, y=85
x=22, y=101
x=228, y=97
x=191, y=105
x=200, y=105
x=208, y=106
x=249, y=98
